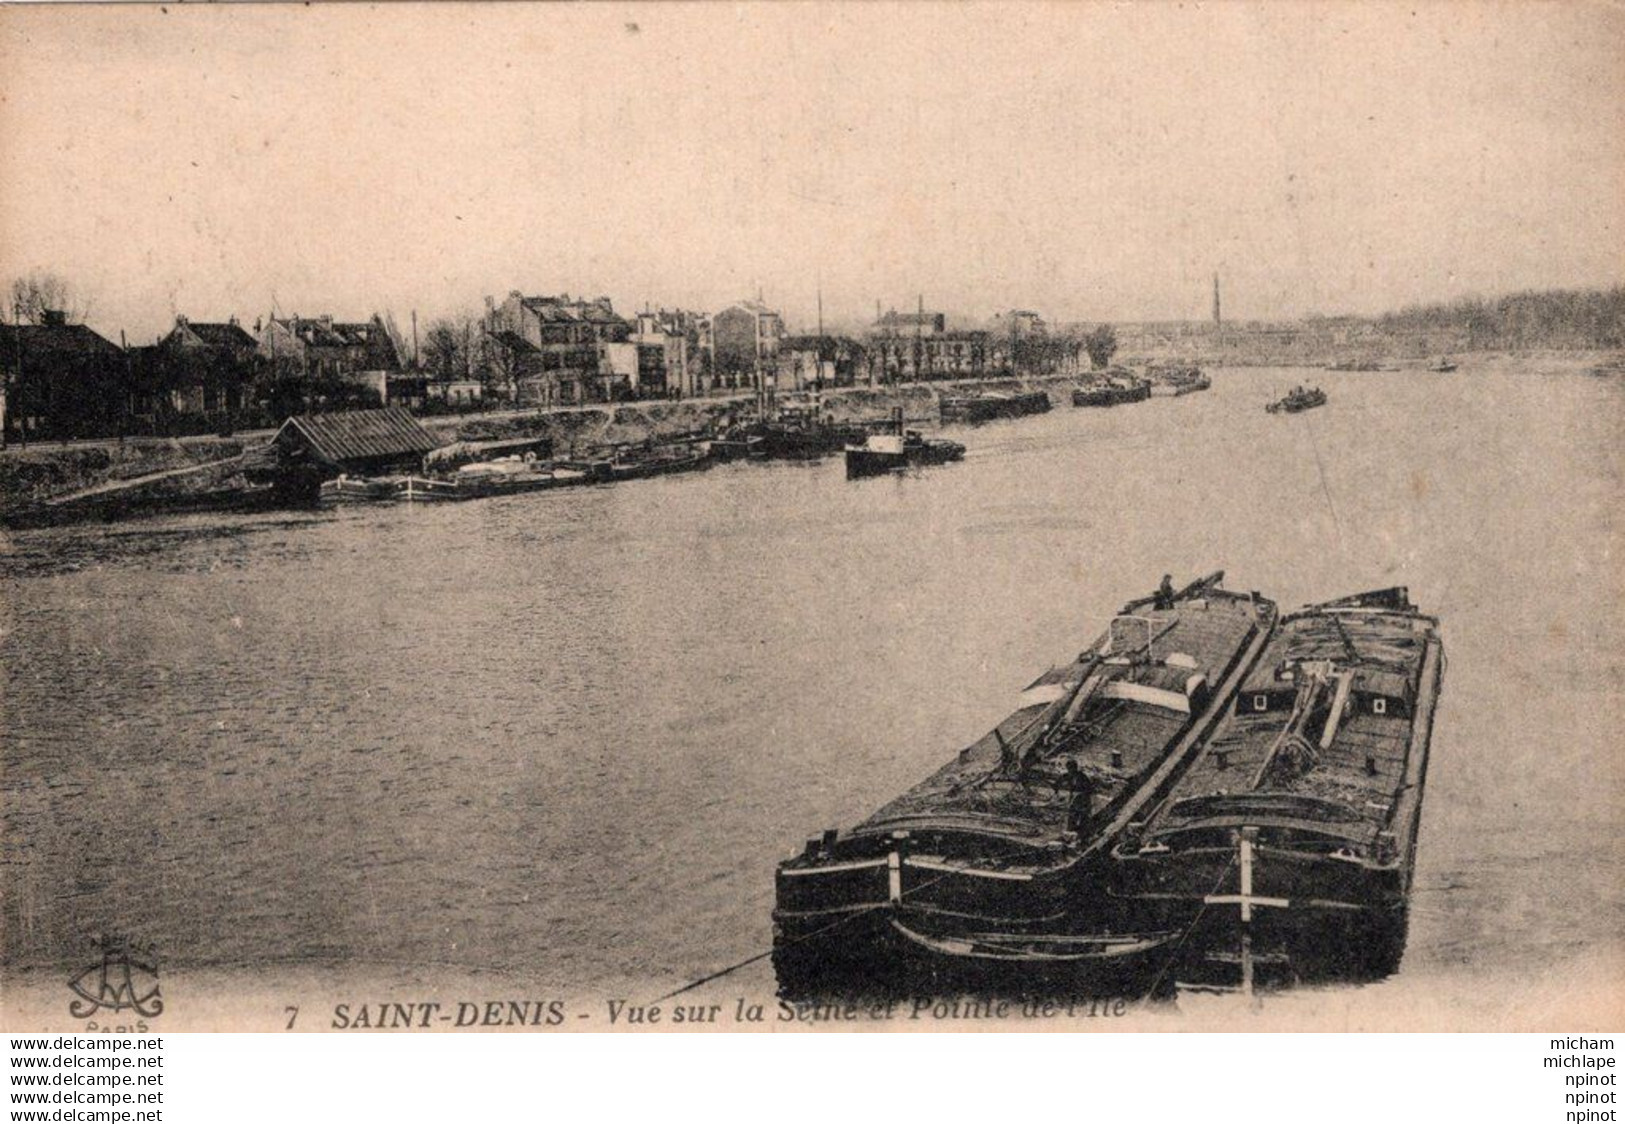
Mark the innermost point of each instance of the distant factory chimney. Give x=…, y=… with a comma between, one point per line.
x=1217, y=319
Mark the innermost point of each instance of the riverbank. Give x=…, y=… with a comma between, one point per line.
x=107, y=480
x=111, y=480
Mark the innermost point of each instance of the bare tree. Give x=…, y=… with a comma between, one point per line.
x=450, y=347
x=40, y=292
x=501, y=366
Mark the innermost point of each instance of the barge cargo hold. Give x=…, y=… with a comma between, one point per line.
x=992, y=404
x=994, y=862
x=1293, y=835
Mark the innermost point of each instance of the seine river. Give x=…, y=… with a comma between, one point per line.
x=563, y=739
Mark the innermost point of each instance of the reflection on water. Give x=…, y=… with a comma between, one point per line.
x=570, y=734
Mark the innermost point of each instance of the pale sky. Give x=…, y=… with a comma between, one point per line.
x=1089, y=161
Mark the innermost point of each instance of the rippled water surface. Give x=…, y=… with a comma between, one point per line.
x=568, y=735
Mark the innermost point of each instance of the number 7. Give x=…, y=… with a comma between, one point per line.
x=293, y=1013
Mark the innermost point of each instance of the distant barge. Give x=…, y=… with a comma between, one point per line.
x=992, y=404
x=1299, y=818
x=996, y=860
x=1113, y=391
x=1176, y=380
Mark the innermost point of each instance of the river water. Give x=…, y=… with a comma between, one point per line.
x=564, y=738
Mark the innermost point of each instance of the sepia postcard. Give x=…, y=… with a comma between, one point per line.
x=904, y=517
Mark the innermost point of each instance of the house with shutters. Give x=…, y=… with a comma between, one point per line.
x=559, y=343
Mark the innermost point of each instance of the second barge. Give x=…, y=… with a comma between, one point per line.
x=1294, y=832
x=995, y=859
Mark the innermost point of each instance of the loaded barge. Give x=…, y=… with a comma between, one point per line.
x=991, y=404
x=1292, y=838
x=994, y=863
x=1114, y=390
x=1175, y=380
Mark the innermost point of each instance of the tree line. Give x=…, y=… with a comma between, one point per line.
x=1593, y=318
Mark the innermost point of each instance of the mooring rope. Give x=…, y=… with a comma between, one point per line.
x=1324, y=489
x=1173, y=954
x=865, y=911
x=749, y=960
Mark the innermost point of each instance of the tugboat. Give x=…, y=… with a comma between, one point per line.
x=994, y=863
x=1114, y=390
x=987, y=405
x=1298, y=401
x=898, y=448
x=1294, y=832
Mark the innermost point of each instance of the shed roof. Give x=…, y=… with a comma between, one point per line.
x=358, y=434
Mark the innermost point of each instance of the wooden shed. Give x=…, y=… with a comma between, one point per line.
x=355, y=441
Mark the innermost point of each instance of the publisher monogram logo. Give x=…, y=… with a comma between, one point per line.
x=126, y=979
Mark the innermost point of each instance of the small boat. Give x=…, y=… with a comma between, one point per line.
x=639, y=462
x=993, y=860
x=345, y=488
x=738, y=443
x=1298, y=400
x=1299, y=816
x=485, y=480
x=987, y=405
x=1442, y=367
x=896, y=448
x=1113, y=391
x=434, y=489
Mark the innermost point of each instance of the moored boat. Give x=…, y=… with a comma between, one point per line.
x=1113, y=391
x=345, y=488
x=1297, y=400
x=796, y=434
x=993, y=862
x=1174, y=380
x=896, y=448
x=485, y=480
x=637, y=462
x=1295, y=829
x=1442, y=367
x=981, y=406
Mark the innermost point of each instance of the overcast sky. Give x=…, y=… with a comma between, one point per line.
x=1093, y=162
